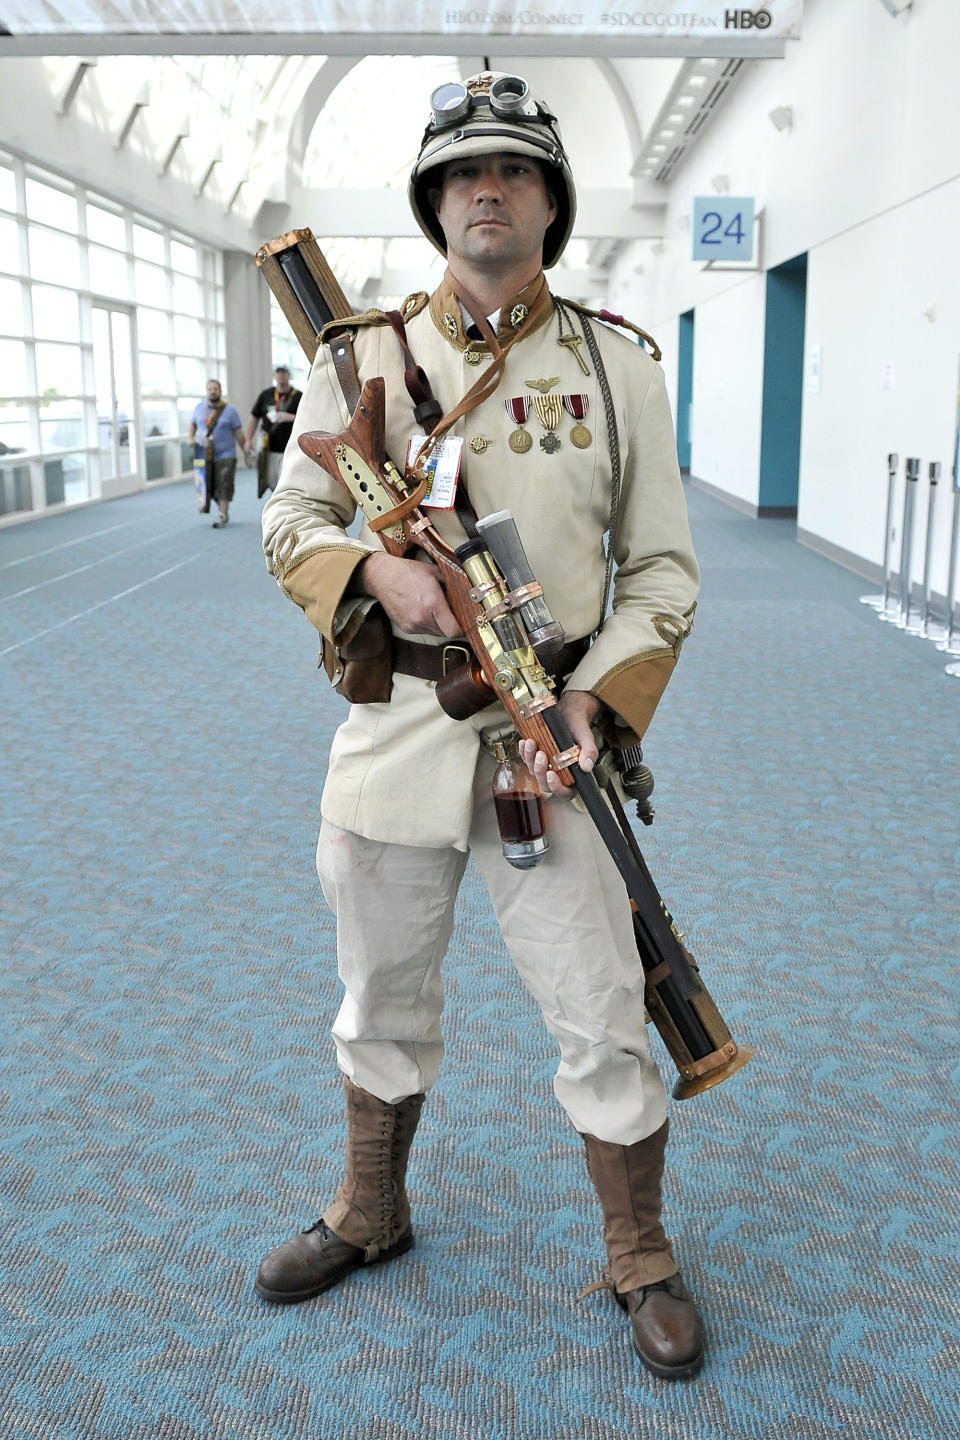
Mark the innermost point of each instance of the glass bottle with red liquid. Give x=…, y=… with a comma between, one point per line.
x=516, y=797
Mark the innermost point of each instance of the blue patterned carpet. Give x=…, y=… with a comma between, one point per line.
x=168, y=1093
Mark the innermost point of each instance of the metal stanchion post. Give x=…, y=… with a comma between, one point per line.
x=906, y=542
x=884, y=602
x=951, y=640
x=930, y=629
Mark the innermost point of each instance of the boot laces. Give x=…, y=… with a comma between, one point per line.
x=672, y=1285
x=322, y=1226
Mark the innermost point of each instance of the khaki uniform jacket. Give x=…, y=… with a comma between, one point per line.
x=403, y=771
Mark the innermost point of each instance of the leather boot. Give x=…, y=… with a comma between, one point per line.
x=368, y=1220
x=667, y=1333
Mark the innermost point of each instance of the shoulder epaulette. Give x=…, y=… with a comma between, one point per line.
x=611, y=319
x=409, y=307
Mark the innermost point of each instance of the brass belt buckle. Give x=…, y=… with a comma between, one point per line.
x=463, y=650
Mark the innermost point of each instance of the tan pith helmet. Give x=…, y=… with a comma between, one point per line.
x=485, y=114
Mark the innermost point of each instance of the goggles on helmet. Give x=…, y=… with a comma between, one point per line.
x=508, y=98
x=491, y=112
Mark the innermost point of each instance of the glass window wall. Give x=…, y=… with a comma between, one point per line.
x=9, y=246
x=13, y=367
x=97, y=380
x=8, y=189
x=56, y=313
x=51, y=206
x=106, y=227
x=108, y=273
x=11, y=307
x=149, y=244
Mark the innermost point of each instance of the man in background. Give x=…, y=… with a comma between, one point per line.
x=222, y=432
x=273, y=409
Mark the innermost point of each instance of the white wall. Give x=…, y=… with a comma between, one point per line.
x=725, y=443
x=867, y=182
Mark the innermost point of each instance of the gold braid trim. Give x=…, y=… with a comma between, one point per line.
x=671, y=632
x=610, y=319
x=411, y=306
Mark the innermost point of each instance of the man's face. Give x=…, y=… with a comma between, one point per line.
x=494, y=209
x=213, y=392
x=283, y=380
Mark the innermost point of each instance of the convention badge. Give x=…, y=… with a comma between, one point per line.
x=443, y=469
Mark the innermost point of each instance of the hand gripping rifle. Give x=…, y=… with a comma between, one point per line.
x=500, y=609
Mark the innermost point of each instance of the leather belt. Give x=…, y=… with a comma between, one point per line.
x=432, y=662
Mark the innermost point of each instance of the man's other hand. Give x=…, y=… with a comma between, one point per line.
x=579, y=708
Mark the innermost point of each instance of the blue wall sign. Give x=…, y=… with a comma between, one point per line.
x=722, y=227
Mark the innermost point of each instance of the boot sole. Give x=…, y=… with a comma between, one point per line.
x=669, y=1372
x=293, y=1297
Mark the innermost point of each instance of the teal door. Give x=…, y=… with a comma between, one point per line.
x=685, y=388
x=782, y=387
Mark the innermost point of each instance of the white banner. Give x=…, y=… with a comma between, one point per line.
x=625, y=21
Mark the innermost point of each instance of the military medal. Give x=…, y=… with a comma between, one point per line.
x=518, y=409
x=576, y=406
x=549, y=410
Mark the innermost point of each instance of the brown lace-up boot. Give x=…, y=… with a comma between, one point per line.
x=667, y=1333
x=369, y=1219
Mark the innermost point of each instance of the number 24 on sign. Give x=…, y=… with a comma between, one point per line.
x=722, y=228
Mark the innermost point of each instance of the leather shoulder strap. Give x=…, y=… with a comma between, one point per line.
x=338, y=334
x=345, y=364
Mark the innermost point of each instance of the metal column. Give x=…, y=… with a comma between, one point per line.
x=884, y=602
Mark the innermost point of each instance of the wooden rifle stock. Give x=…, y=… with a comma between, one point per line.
x=677, y=1000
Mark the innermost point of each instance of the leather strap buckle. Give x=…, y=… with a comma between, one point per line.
x=449, y=664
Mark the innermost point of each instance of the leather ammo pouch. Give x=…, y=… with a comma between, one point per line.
x=359, y=662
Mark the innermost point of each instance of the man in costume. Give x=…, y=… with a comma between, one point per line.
x=576, y=405
x=273, y=409
x=216, y=429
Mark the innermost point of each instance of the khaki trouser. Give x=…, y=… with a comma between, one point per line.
x=567, y=927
